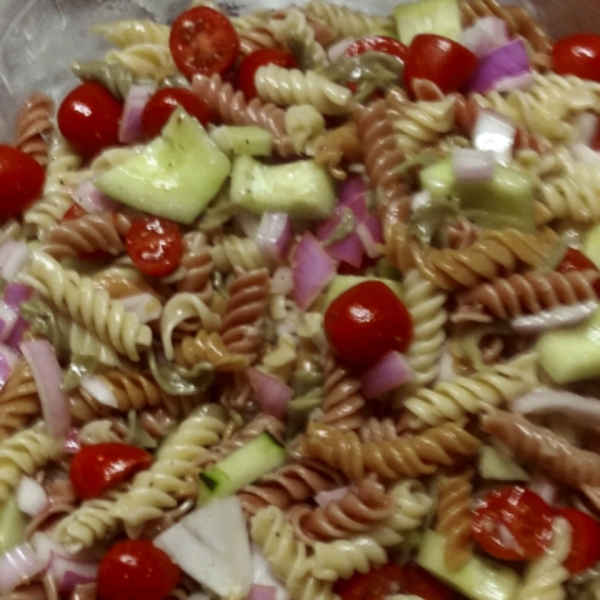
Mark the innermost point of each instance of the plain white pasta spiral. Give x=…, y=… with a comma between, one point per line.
x=451, y=401
x=287, y=556
x=145, y=60
x=234, y=252
x=173, y=474
x=425, y=303
x=545, y=575
x=292, y=86
x=304, y=124
x=92, y=307
x=23, y=454
x=131, y=32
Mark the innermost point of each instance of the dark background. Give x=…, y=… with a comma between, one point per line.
x=562, y=17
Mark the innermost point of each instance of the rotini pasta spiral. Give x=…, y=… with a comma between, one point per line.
x=287, y=556
x=451, y=400
x=116, y=78
x=338, y=146
x=34, y=126
x=24, y=453
x=198, y=264
x=232, y=252
x=292, y=86
x=131, y=32
x=19, y=400
x=145, y=60
x=79, y=298
x=304, y=124
x=172, y=475
x=402, y=457
x=210, y=348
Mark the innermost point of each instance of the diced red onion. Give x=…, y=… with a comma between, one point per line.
x=16, y=293
x=92, y=200
x=31, y=497
x=494, y=133
x=390, y=371
x=8, y=319
x=17, y=566
x=312, y=270
x=13, y=255
x=485, y=35
x=8, y=359
x=584, y=410
x=262, y=592
x=144, y=305
x=504, y=69
x=72, y=443
x=130, y=129
x=98, y=390
x=326, y=498
x=542, y=486
x=561, y=316
x=473, y=166
x=585, y=125
x=351, y=197
x=274, y=235
x=586, y=154
x=336, y=50
x=282, y=281
x=272, y=394
x=48, y=378
x=371, y=236
x=69, y=573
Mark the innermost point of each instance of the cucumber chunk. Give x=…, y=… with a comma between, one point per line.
x=428, y=16
x=591, y=245
x=478, y=579
x=572, y=354
x=257, y=458
x=243, y=140
x=505, y=201
x=340, y=283
x=12, y=525
x=175, y=176
x=302, y=188
x=494, y=464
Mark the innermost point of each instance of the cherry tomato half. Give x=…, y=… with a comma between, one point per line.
x=440, y=60
x=367, y=321
x=578, y=55
x=585, y=540
x=575, y=260
x=136, y=570
x=517, y=513
x=100, y=467
x=162, y=104
x=154, y=245
x=89, y=118
x=377, y=43
x=374, y=585
x=260, y=58
x=203, y=41
x=21, y=181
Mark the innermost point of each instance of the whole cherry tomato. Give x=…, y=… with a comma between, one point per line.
x=203, y=41
x=89, y=118
x=154, y=245
x=136, y=570
x=585, y=540
x=440, y=60
x=162, y=104
x=389, y=579
x=21, y=181
x=260, y=58
x=99, y=467
x=377, y=43
x=367, y=321
x=578, y=55
x=517, y=513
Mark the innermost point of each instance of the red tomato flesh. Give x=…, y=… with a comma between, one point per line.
x=89, y=118
x=516, y=513
x=203, y=41
x=377, y=43
x=100, y=467
x=440, y=60
x=578, y=55
x=136, y=570
x=585, y=540
x=21, y=181
x=161, y=105
x=260, y=58
x=575, y=260
x=367, y=321
x=421, y=583
x=154, y=245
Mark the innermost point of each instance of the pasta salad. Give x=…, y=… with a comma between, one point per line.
x=303, y=304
